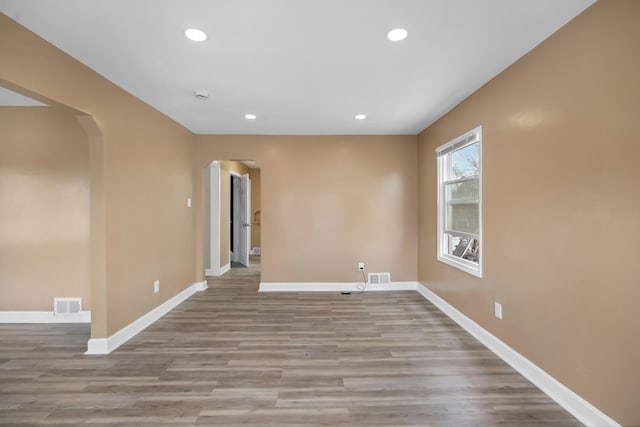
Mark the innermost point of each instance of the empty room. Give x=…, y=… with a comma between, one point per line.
x=336, y=212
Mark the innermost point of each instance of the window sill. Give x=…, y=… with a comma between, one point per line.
x=461, y=264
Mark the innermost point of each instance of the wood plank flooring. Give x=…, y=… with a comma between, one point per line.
x=230, y=356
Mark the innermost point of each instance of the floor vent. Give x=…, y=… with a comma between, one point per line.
x=67, y=305
x=379, y=278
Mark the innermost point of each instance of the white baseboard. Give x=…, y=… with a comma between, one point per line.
x=581, y=409
x=107, y=345
x=218, y=272
x=43, y=317
x=332, y=287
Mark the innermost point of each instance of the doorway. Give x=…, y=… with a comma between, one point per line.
x=231, y=240
x=239, y=219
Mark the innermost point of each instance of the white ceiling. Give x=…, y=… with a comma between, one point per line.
x=302, y=66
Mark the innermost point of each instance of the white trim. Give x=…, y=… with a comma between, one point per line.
x=107, y=345
x=200, y=286
x=471, y=137
x=233, y=255
x=215, y=191
x=578, y=407
x=43, y=317
x=218, y=272
x=459, y=263
x=244, y=188
x=333, y=287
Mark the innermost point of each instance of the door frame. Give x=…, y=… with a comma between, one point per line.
x=213, y=188
x=214, y=180
x=243, y=219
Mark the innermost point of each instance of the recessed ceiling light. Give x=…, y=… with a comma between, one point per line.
x=360, y=116
x=397, y=34
x=250, y=116
x=195, y=35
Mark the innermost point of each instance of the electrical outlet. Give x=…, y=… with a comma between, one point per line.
x=156, y=286
x=498, y=310
x=361, y=266
x=188, y=202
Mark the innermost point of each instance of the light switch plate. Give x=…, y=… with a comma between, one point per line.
x=498, y=310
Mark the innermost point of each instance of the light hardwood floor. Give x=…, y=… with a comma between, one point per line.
x=230, y=356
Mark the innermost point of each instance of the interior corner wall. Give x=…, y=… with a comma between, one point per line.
x=44, y=209
x=148, y=169
x=328, y=202
x=561, y=209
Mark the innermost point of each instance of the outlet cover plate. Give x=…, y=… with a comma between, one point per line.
x=156, y=286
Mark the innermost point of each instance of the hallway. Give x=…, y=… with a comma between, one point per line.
x=232, y=356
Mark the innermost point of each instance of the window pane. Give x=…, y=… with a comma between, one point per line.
x=463, y=218
x=463, y=192
x=464, y=162
x=462, y=206
x=462, y=247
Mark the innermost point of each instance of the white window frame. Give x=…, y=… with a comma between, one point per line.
x=456, y=144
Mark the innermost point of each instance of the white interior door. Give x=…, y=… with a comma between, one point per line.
x=244, y=218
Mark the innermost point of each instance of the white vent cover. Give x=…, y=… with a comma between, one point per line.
x=379, y=278
x=67, y=305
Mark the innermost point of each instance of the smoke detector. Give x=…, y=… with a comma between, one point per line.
x=202, y=95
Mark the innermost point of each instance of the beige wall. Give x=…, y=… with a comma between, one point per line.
x=561, y=207
x=234, y=166
x=145, y=164
x=254, y=175
x=327, y=203
x=44, y=208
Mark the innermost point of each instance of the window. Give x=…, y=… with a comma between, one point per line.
x=460, y=202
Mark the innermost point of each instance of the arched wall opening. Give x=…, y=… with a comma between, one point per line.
x=52, y=221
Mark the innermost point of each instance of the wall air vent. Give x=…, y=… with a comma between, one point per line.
x=67, y=305
x=379, y=278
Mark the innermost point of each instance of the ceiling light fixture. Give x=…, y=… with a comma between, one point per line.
x=195, y=35
x=397, y=34
x=250, y=116
x=360, y=116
